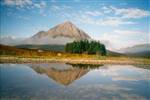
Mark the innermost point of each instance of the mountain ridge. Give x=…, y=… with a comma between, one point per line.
x=142, y=50
x=59, y=34
x=136, y=48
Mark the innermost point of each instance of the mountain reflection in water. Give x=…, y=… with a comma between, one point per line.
x=59, y=81
x=62, y=73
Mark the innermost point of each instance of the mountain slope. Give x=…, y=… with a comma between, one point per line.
x=67, y=29
x=137, y=48
x=112, y=53
x=60, y=34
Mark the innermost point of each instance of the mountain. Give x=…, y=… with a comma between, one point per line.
x=60, y=34
x=137, y=50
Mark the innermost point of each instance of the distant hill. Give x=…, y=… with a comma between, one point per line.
x=142, y=50
x=113, y=53
x=137, y=48
x=58, y=35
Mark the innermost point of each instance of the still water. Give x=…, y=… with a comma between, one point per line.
x=59, y=81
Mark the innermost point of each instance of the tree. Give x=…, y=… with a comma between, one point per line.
x=90, y=47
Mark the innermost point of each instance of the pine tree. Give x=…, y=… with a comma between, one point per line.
x=90, y=47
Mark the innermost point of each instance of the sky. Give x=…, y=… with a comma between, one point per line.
x=117, y=23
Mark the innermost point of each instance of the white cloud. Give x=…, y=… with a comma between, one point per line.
x=23, y=17
x=114, y=22
x=66, y=7
x=20, y=3
x=103, y=22
x=95, y=17
x=55, y=7
x=9, y=2
x=40, y=5
x=61, y=9
x=111, y=40
x=126, y=12
x=122, y=38
x=106, y=9
x=25, y=3
x=108, y=16
x=93, y=13
x=128, y=32
x=130, y=12
x=113, y=71
x=119, y=16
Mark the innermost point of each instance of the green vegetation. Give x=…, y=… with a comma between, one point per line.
x=9, y=51
x=13, y=54
x=85, y=66
x=85, y=46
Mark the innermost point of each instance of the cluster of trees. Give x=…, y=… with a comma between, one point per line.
x=85, y=46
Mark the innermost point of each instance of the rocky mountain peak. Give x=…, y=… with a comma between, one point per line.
x=60, y=34
x=68, y=29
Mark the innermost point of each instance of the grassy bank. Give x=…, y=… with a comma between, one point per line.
x=75, y=60
x=10, y=54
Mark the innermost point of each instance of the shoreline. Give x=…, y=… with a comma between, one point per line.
x=72, y=61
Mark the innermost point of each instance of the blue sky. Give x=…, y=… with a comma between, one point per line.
x=117, y=23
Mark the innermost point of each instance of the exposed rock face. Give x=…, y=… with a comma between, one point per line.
x=60, y=34
x=68, y=29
